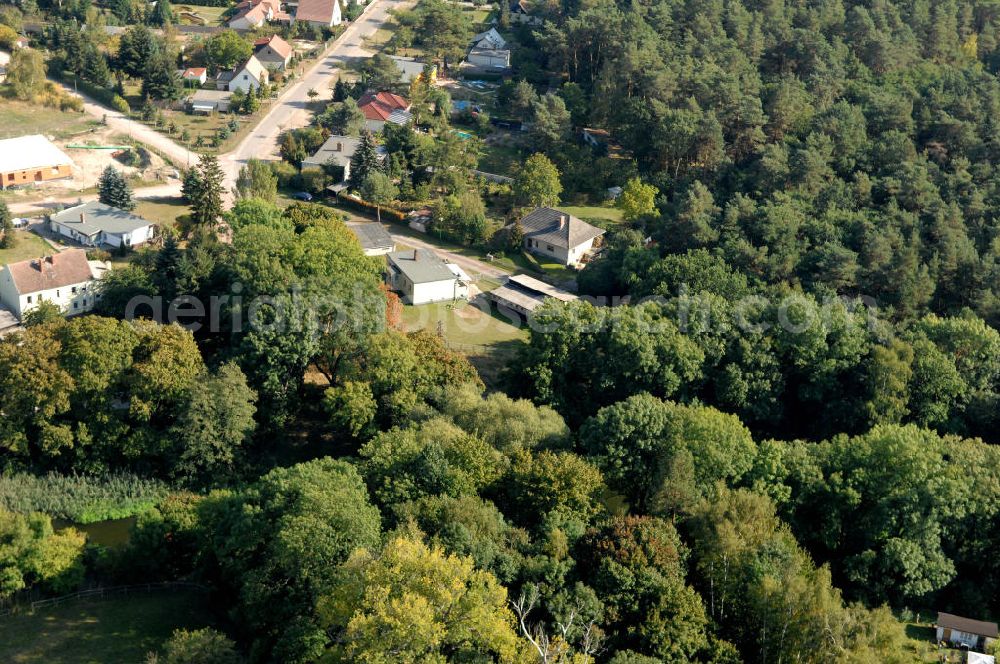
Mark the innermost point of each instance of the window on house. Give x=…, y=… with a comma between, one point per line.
x=57, y=293
x=29, y=299
x=550, y=247
x=76, y=305
x=74, y=290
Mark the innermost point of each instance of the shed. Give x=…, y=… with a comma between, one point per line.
x=374, y=238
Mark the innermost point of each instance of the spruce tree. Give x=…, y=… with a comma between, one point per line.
x=7, y=238
x=365, y=160
x=168, y=268
x=113, y=190
x=340, y=91
x=206, y=207
x=162, y=14
x=191, y=186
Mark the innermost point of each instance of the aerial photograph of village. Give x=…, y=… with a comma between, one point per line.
x=499, y=331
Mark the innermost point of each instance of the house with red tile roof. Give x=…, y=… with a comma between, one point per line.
x=252, y=14
x=196, y=75
x=273, y=52
x=382, y=107
x=66, y=278
x=324, y=13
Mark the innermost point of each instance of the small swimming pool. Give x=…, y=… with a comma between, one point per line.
x=464, y=135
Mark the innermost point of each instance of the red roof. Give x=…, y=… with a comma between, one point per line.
x=67, y=268
x=277, y=44
x=319, y=11
x=379, y=106
x=194, y=72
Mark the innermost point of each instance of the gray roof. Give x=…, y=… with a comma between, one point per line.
x=558, y=228
x=409, y=67
x=372, y=236
x=338, y=149
x=421, y=266
x=91, y=218
x=213, y=96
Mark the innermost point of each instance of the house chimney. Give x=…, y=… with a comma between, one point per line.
x=562, y=221
x=81, y=217
x=414, y=254
x=340, y=146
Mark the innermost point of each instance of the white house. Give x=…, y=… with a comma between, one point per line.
x=250, y=76
x=95, y=224
x=324, y=13
x=273, y=52
x=490, y=39
x=559, y=235
x=67, y=278
x=973, y=634
x=209, y=101
x=195, y=75
x=489, y=50
x=338, y=151
x=421, y=277
x=252, y=14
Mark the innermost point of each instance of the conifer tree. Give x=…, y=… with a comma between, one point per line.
x=206, y=206
x=365, y=160
x=113, y=189
x=7, y=238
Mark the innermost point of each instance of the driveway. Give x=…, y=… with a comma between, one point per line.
x=474, y=267
x=291, y=110
x=167, y=190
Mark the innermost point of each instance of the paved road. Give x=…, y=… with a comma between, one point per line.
x=291, y=110
x=475, y=268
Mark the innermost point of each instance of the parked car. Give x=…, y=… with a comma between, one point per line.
x=302, y=196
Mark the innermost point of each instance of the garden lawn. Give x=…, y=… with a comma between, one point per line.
x=499, y=159
x=598, y=215
x=162, y=211
x=20, y=118
x=28, y=246
x=120, y=629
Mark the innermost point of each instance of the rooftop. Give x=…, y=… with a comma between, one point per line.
x=558, y=228
x=528, y=293
x=91, y=218
x=60, y=270
x=321, y=11
x=339, y=150
x=978, y=627
x=421, y=266
x=372, y=236
x=277, y=44
x=27, y=152
x=381, y=105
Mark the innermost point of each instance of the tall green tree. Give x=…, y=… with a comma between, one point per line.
x=8, y=238
x=257, y=180
x=114, y=190
x=536, y=183
x=206, y=204
x=364, y=162
x=379, y=189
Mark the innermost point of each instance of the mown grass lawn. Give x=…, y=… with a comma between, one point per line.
x=163, y=211
x=20, y=118
x=596, y=214
x=28, y=246
x=121, y=629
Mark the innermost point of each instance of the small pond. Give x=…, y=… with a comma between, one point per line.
x=112, y=533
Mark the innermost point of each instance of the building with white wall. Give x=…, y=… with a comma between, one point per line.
x=67, y=279
x=421, y=277
x=95, y=224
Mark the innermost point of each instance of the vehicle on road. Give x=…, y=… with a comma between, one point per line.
x=302, y=196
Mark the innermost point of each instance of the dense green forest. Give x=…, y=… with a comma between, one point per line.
x=779, y=443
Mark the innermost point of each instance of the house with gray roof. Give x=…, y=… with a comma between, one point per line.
x=337, y=152
x=95, y=224
x=421, y=277
x=556, y=234
x=374, y=239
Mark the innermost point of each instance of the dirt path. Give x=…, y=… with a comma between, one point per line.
x=159, y=191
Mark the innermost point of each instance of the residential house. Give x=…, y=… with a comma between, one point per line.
x=421, y=277
x=490, y=39
x=4, y=62
x=209, y=101
x=337, y=151
x=411, y=69
x=972, y=634
x=382, y=107
x=489, y=58
x=522, y=294
x=420, y=220
x=67, y=279
x=34, y=158
x=559, y=235
x=325, y=13
x=374, y=239
x=972, y=657
x=273, y=52
x=489, y=51
x=250, y=76
x=195, y=75
x=95, y=224
x=252, y=14
x=223, y=79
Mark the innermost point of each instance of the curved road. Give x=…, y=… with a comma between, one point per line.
x=290, y=110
